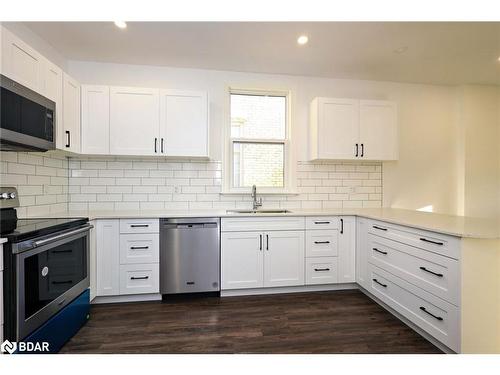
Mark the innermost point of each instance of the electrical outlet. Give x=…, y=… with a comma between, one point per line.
x=177, y=189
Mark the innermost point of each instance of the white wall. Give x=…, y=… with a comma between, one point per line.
x=426, y=120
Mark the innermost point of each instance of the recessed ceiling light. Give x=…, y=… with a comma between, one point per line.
x=498, y=58
x=303, y=39
x=121, y=24
x=401, y=49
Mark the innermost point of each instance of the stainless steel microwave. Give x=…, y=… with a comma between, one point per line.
x=27, y=119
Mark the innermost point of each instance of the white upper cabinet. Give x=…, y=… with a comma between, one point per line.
x=95, y=120
x=71, y=114
x=378, y=133
x=352, y=129
x=134, y=121
x=52, y=87
x=334, y=128
x=184, y=123
x=20, y=62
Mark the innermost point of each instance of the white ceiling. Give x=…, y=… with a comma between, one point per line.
x=445, y=53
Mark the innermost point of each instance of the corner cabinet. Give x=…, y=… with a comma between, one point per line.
x=352, y=129
x=71, y=114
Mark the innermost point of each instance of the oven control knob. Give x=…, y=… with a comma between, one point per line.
x=12, y=195
x=45, y=271
x=4, y=196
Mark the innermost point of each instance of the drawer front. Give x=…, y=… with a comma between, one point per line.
x=437, y=317
x=139, y=226
x=437, y=243
x=139, y=278
x=434, y=273
x=321, y=243
x=321, y=270
x=322, y=222
x=139, y=248
x=246, y=224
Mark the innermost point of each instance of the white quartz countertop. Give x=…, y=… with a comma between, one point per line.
x=459, y=226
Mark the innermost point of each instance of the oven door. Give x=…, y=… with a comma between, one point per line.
x=50, y=276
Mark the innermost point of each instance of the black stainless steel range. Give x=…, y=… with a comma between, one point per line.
x=46, y=275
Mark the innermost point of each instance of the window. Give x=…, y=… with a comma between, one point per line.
x=258, y=141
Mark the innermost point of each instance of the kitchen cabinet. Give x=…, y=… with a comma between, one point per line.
x=347, y=250
x=362, y=253
x=352, y=129
x=134, y=124
x=20, y=62
x=284, y=258
x=242, y=260
x=184, y=123
x=262, y=259
x=52, y=77
x=108, y=257
x=71, y=114
x=95, y=120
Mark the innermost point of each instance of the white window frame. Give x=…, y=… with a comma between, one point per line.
x=289, y=179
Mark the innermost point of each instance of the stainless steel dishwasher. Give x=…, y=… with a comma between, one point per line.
x=189, y=255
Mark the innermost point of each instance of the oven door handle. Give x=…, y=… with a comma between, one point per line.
x=62, y=236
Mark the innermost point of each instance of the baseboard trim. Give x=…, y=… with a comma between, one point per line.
x=127, y=298
x=413, y=326
x=287, y=289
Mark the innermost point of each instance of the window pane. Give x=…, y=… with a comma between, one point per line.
x=257, y=116
x=258, y=164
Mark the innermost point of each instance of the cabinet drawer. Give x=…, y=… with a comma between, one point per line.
x=431, y=241
x=139, y=278
x=434, y=273
x=321, y=243
x=321, y=270
x=139, y=248
x=437, y=317
x=243, y=224
x=139, y=226
x=322, y=222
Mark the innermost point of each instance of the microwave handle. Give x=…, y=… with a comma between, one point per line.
x=68, y=138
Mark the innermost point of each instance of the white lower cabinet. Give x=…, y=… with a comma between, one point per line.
x=347, y=250
x=321, y=270
x=362, y=277
x=127, y=257
x=262, y=259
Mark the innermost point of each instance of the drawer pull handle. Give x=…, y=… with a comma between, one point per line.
x=430, y=241
x=321, y=269
x=431, y=314
x=380, y=251
x=321, y=242
x=139, y=247
x=321, y=222
x=379, y=228
x=190, y=282
x=139, y=225
x=429, y=271
x=379, y=283
x=139, y=278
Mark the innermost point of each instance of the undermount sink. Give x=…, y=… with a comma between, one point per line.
x=258, y=211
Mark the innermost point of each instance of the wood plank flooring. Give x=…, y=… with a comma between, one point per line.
x=322, y=322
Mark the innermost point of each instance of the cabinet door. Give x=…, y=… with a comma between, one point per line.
x=184, y=123
x=284, y=258
x=134, y=121
x=378, y=130
x=52, y=77
x=338, y=128
x=347, y=250
x=95, y=120
x=362, y=253
x=108, y=257
x=71, y=114
x=20, y=62
x=241, y=260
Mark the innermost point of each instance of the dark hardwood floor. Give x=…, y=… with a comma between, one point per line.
x=322, y=322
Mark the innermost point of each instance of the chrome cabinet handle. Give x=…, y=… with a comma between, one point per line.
x=321, y=242
x=379, y=228
x=139, y=247
x=431, y=272
x=380, y=251
x=430, y=241
x=431, y=314
x=321, y=269
x=139, y=278
x=379, y=283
